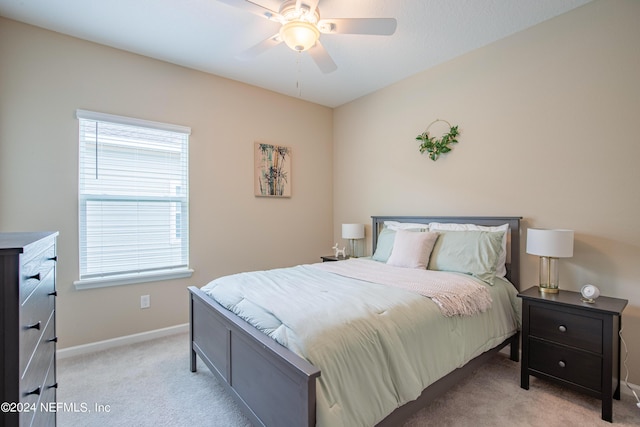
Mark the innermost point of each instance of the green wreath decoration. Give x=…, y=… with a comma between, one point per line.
x=435, y=147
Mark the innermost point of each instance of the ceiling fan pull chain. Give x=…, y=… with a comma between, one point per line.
x=298, y=85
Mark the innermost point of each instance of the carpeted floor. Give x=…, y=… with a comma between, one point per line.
x=150, y=384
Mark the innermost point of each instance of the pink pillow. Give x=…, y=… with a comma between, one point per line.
x=411, y=249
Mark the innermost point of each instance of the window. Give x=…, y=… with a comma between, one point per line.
x=133, y=200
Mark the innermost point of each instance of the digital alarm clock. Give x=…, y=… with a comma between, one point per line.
x=589, y=293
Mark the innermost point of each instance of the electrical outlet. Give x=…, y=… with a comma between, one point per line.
x=145, y=301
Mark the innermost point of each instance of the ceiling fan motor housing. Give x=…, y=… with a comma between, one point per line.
x=303, y=13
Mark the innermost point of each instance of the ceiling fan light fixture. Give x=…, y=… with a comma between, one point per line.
x=299, y=35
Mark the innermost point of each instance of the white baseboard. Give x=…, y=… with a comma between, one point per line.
x=625, y=390
x=117, y=342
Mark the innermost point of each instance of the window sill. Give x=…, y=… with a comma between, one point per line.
x=130, y=279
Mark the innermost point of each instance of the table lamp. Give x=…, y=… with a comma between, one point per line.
x=549, y=245
x=353, y=232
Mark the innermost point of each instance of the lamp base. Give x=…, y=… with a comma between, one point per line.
x=548, y=283
x=352, y=243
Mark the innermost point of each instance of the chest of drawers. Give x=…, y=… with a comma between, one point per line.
x=27, y=328
x=573, y=343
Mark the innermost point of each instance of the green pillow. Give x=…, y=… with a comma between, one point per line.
x=384, y=245
x=470, y=252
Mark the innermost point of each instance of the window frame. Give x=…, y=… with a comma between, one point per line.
x=90, y=281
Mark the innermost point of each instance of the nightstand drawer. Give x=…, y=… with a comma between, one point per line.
x=568, y=364
x=569, y=329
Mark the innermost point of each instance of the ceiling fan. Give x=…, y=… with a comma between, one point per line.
x=302, y=26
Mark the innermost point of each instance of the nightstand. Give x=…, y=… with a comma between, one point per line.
x=326, y=258
x=573, y=343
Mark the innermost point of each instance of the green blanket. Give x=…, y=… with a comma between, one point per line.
x=377, y=346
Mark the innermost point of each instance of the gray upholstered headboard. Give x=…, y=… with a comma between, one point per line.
x=513, y=245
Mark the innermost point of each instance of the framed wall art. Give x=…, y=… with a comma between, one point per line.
x=272, y=169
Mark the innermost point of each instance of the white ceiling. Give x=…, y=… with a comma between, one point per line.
x=207, y=35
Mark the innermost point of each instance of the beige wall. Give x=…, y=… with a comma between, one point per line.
x=45, y=77
x=549, y=131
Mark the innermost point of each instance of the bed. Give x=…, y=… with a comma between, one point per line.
x=276, y=386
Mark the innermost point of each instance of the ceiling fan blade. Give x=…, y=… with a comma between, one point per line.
x=322, y=59
x=372, y=26
x=261, y=47
x=254, y=8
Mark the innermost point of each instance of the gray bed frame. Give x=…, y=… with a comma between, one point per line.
x=274, y=386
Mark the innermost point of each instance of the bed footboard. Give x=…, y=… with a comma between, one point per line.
x=249, y=363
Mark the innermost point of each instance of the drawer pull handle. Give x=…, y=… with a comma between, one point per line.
x=53, y=258
x=34, y=326
x=55, y=385
x=562, y=328
x=34, y=391
x=562, y=364
x=53, y=294
x=54, y=339
x=35, y=276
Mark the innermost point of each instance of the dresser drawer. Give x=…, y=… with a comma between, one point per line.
x=45, y=415
x=37, y=367
x=569, y=329
x=565, y=363
x=33, y=380
x=35, y=270
x=34, y=314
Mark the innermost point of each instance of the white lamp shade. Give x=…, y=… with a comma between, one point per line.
x=299, y=35
x=550, y=243
x=353, y=231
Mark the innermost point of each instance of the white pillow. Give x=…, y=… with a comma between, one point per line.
x=411, y=249
x=501, y=268
x=395, y=225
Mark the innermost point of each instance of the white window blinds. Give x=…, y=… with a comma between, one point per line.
x=133, y=198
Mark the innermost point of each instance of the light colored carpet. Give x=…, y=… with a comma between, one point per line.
x=150, y=384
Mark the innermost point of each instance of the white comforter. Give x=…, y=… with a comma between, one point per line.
x=455, y=293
